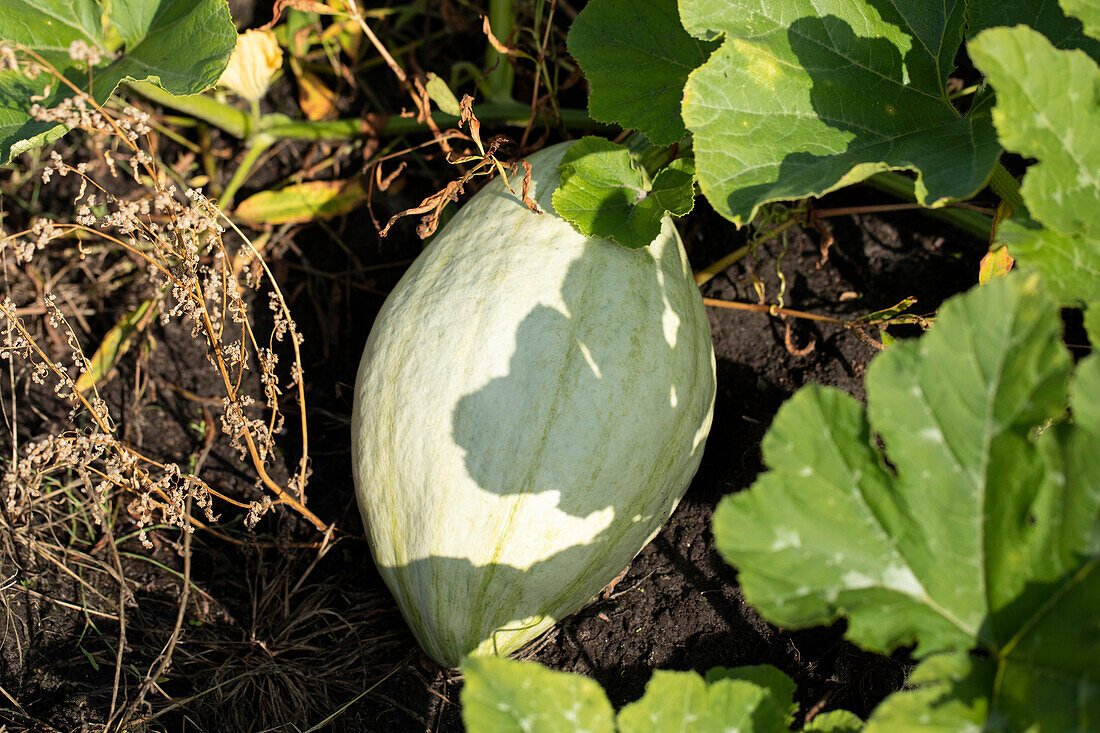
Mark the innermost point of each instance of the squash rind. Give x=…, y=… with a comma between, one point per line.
x=529, y=409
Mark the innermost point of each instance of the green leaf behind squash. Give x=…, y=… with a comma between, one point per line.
x=807, y=96
x=636, y=56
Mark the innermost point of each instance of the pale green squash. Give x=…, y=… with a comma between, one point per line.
x=530, y=407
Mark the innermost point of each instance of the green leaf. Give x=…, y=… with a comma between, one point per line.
x=975, y=527
x=442, y=95
x=835, y=721
x=1092, y=323
x=605, y=193
x=181, y=45
x=1089, y=13
x=807, y=96
x=302, y=202
x=951, y=695
x=502, y=695
x=1046, y=17
x=1055, y=123
x=747, y=699
x=636, y=57
x=1070, y=265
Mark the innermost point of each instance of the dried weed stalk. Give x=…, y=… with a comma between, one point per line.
x=179, y=239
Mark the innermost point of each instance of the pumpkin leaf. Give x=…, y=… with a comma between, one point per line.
x=747, y=699
x=180, y=45
x=1061, y=29
x=302, y=202
x=951, y=695
x=975, y=527
x=502, y=695
x=1056, y=124
x=115, y=344
x=807, y=96
x=605, y=193
x=637, y=68
x=835, y=721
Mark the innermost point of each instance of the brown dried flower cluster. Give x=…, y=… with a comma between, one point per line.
x=178, y=238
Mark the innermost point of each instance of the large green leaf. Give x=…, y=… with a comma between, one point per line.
x=505, y=696
x=636, y=56
x=806, y=96
x=958, y=511
x=1055, y=123
x=182, y=45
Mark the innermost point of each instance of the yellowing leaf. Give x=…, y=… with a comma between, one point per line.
x=317, y=101
x=995, y=264
x=116, y=343
x=254, y=61
x=302, y=202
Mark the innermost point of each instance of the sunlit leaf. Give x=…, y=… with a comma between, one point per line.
x=181, y=45
x=957, y=511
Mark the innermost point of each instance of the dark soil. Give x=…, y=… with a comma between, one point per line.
x=678, y=606
x=278, y=638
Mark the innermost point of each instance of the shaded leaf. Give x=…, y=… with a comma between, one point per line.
x=502, y=695
x=605, y=193
x=181, y=45
x=1048, y=18
x=1055, y=123
x=636, y=57
x=807, y=96
x=951, y=695
x=975, y=528
x=302, y=202
x=442, y=95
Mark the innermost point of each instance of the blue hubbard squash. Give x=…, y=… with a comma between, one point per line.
x=530, y=407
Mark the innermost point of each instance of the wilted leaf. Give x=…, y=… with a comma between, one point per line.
x=317, y=101
x=807, y=96
x=302, y=202
x=181, y=45
x=605, y=193
x=115, y=344
x=975, y=526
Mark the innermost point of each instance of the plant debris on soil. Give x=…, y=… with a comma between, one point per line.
x=286, y=628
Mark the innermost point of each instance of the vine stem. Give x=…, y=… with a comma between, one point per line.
x=236, y=122
x=904, y=187
x=773, y=310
